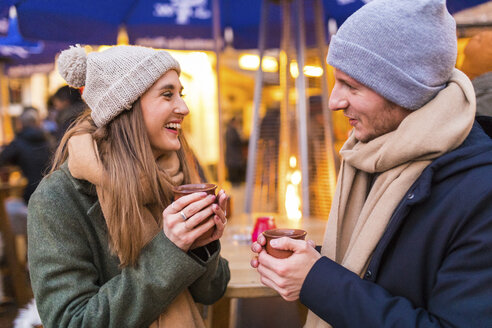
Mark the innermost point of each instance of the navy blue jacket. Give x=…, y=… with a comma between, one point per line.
x=433, y=265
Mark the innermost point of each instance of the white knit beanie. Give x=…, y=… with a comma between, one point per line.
x=115, y=78
x=405, y=50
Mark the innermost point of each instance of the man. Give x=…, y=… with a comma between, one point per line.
x=409, y=239
x=477, y=65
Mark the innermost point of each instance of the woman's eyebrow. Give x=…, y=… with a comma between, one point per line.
x=167, y=87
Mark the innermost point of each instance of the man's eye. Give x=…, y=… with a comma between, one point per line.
x=167, y=94
x=349, y=86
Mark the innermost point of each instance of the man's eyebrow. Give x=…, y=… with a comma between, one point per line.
x=350, y=81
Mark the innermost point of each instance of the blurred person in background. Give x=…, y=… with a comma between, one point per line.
x=108, y=245
x=235, y=162
x=408, y=242
x=30, y=150
x=477, y=65
x=49, y=122
x=68, y=105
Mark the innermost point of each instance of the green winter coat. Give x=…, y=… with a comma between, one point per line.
x=77, y=282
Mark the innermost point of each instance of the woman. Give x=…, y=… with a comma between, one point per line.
x=107, y=246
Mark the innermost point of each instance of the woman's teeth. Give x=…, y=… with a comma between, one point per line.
x=174, y=126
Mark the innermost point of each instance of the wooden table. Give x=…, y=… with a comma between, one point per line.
x=245, y=281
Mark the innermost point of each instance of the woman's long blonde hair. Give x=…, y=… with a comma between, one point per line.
x=126, y=155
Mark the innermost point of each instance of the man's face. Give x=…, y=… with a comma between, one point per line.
x=370, y=114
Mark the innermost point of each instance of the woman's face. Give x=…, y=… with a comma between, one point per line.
x=163, y=110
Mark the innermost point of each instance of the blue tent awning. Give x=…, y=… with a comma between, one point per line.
x=178, y=24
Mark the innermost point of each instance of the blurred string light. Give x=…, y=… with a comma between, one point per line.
x=292, y=194
x=309, y=70
x=270, y=64
x=252, y=62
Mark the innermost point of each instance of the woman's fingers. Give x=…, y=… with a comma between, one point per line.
x=184, y=201
x=199, y=217
x=220, y=213
x=190, y=216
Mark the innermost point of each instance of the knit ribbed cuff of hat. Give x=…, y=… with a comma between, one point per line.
x=127, y=89
x=379, y=74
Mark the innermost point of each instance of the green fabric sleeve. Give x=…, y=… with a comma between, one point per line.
x=212, y=284
x=76, y=280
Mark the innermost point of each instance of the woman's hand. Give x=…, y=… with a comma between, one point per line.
x=219, y=219
x=182, y=219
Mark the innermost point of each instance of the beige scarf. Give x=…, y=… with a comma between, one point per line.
x=360, y=212
x=84, y=163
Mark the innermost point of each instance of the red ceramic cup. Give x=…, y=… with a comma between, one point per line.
x=263, y=223
x=278, y=233
x=187, y=189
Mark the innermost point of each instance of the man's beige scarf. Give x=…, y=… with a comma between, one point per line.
x=84, y=163
x=360, y=212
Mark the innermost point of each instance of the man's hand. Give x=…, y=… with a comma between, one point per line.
x=286, y=276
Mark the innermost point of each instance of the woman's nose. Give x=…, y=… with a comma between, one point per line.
x=337, y=100
x=181, y=107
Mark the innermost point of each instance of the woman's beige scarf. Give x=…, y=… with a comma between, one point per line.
x=84, y=163
x=360, y=212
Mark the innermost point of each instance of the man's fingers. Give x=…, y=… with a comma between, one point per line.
x=256, y=247
x=267, y=271
x=261, y=240
x=311, y=243
x=254, y=262
x=286, y=243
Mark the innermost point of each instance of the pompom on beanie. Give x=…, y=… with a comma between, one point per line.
x=478, y=55
x=404, y=50
x=114, y=78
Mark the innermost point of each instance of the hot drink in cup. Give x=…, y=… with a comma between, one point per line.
x=187, y=189
x=278, y=233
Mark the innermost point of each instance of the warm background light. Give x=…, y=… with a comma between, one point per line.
x=294, y=69
x=292, y=161
x=309, y=70
x=292, y=197
x=251, y=62
x=313, y=71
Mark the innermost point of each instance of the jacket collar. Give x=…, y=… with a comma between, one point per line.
x=82, y=186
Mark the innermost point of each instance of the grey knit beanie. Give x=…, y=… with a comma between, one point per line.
x=115, y=78
x=405, y=50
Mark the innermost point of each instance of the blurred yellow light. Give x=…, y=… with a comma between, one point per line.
x=122, y=38
x=296, y=177
x=313, y=71
x=102, y=48
x=269, y=64
x=294, y=69
x=292, y=161
x=292, y=203
x=251, y=62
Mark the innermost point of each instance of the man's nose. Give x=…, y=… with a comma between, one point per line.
x=337, y=99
